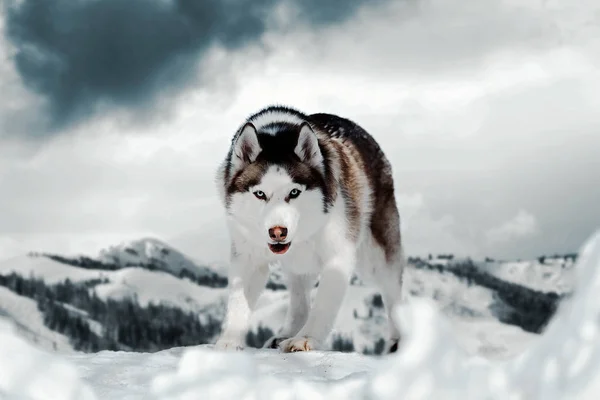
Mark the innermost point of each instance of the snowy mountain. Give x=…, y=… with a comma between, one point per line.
x=547, y=274
x=153, y=253
x=485, y=304
x=451, y=343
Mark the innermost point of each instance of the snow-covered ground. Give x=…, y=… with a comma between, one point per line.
x=563, y=363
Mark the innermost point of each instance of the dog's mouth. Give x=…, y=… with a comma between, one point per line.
x=279, y=248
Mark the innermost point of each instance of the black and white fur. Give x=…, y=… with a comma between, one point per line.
x=314, y=193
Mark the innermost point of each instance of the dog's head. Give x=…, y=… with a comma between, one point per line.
x=276, y=188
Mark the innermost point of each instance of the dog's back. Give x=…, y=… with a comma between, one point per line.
x=361, y=155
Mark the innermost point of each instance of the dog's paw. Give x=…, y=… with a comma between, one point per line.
x=393, y=345
x=229, y=345
x=273, y=343
x=295, y=344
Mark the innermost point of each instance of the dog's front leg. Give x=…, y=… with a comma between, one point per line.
x=334, y=281
x=246, y=283
x=299, y=288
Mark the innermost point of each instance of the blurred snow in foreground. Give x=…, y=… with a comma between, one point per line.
x=564, y=363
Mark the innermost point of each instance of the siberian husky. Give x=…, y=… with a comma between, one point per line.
x=314, y=193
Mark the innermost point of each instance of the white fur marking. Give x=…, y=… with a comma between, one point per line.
x=274, y=116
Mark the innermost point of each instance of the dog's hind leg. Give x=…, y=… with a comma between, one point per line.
x=388, y=278
x=374, y=268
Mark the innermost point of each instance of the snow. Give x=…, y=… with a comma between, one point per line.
x=144, y=285
x=137, y=371
x=147, y=286
x=29, y=373
x=563, y=363
x=467, y=307
x=457, y=300
x=147, y=251
x=490, y=339
x=555, y=275
x=453, y=296
x=48, y=270
x=94, y=325
x=137, y=253
x=29, y=321
x=155, y=286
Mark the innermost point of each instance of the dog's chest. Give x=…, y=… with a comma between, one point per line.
x=302, y=260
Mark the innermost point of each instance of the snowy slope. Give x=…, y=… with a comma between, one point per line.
x=144, y=285
x=128, y=282
x=48, y=270
x=155, y=286
x=453, y=296
x=561, y=364
x=30, y=323
x=556, y=274
x=94, y=325
x=467, y=306
x=151, y=251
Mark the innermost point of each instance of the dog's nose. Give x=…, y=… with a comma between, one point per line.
x=278, y=233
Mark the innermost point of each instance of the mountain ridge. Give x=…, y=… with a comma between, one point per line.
x=148, y=272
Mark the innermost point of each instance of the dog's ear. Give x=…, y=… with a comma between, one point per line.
x=246, y=147
x=308, y=147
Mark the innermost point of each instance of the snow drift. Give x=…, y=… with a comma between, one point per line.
x=564, y=363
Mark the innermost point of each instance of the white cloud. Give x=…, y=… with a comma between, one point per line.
x=521, y=226
x=424, y=233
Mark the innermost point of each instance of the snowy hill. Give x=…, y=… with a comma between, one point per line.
x=562, y=363
x=154, y=254
x=47, y=269
x=148, y=253
x=485, y=312
x=29, y=322
x=83, y=295
x=552, y=274
x=156, y=286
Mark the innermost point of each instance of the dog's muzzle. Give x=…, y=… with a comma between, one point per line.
x=278, y=234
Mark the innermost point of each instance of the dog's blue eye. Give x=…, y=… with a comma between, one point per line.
x=260, y=195
x=294, y=193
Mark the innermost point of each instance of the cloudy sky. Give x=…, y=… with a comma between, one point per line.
x=114, y=116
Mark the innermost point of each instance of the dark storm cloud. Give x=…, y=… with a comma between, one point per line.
x=83, y=53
